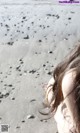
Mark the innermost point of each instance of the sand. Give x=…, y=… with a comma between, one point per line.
x=34, y=37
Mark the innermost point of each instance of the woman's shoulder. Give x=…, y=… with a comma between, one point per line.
x=68, y=81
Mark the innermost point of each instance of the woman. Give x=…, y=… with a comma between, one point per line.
x=63, y=93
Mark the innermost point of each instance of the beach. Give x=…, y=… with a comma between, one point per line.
x=34, y=37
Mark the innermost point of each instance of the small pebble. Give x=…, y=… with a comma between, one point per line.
x=30, y=117
x=10, y=67
x=21, y=62
x=23, y=121
x=40, y=40
x=43, y=120
x=25, y=71
x=69, y=18
x=10, y=43
x=32, y=100
x=27, y=37
x=18, y=127
x=24, y=17
x=57, y=16
x=7, y=25
x=50, y=52
x=32, y=71
x=5, y=84
x=13, y=98
x=10, y=85
x=1, y=96
x=49, y=73
x=20, y=74
x=44, y=65
x=49, y=15
x=17, y=68
x=6, y=95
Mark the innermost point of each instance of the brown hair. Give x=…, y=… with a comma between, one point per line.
x=72, y=61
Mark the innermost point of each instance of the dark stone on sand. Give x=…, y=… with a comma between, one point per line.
x=27, y=37
x=32, y=22
x=66, y=38
x=10, y=67
x=21, y=62
x=20, y=74
x=30, y=117
x=49, y=73
x=5, y=84
x=13, y=98
x=20, y=59
x=49, y=15
x=0, y=118
x=22, y=21
x=50, y=52
x=69, y=34
x=10, y=43
x=1, y=95
x=7, y=25
x=17, y=68
x=36, y=53
x=47, y=62
x=6, y=95
x=13, y=88
x=0, y=101
x=72, y=12
x=24, y=17
x=57, y=16
x=35, y=31
x=1, y=24
x=45, y=38
x=43, y=27
x=52, y=66
x=10, y=85
x=40, y=25
x=38, y=74
x=40, y=40
x=18, y=30
x=25, y=71
x=32, y=71
x=32, y=100
x=69, y=18
x=1, y=73
x=44, y=65
x=8, y=29
x=28, y=28
x=43, y=120
x=14, y=24
x=18, y=127
x=23, y=121
x=53, y=15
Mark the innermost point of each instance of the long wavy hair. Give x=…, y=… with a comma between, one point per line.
x=72, y=61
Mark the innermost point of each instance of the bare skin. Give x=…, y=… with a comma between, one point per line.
x=69, y=99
